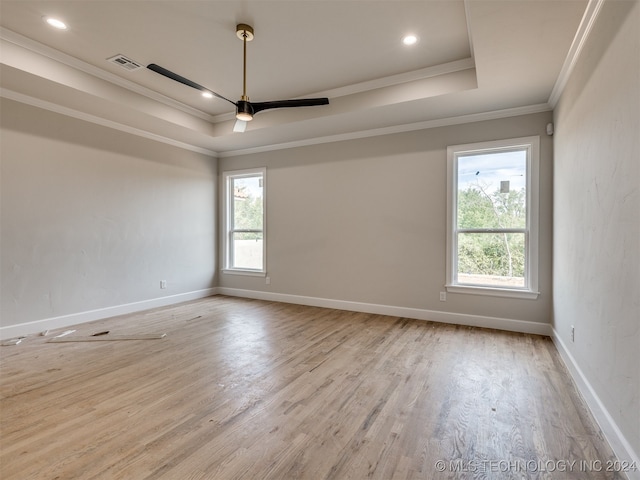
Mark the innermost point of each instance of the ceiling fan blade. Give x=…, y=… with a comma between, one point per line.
x=303, y=102
x=240, y=126
x=185, y=81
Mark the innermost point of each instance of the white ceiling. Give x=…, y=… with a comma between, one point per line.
x=473, y=57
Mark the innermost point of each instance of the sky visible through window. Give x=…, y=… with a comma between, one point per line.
x=252, y=185
x=489, y=169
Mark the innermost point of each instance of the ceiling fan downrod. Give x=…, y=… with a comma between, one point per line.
x=244, y=111
x=244, y=33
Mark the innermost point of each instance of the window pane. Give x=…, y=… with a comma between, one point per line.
x=247, y=203
x=492, y=190
x=246, y=250
x=491, y=259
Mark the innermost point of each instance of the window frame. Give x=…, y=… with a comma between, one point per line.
x=532, y=146
x=229, y=231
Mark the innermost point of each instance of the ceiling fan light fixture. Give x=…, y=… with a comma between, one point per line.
x=245, y=117
x=240, y=126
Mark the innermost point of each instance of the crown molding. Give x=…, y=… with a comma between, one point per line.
x=440, y=122
x=410, y=127
x=392, y=80
x=467, y=14
x=389, y=81
x=584, y=29
x=58, y=56
x=87, y=117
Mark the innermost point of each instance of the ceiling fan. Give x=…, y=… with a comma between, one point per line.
x=244, y=108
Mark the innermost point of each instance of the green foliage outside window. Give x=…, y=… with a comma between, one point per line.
x=247, y=213
x=491, y=254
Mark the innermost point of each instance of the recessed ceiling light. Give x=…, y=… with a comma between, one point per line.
x=207, y=94
x=55, y=23
x=410, y=40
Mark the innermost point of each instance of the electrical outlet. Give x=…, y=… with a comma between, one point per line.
x=443, y=296
x=163, y=284
x=573, y=333
x=267, y=280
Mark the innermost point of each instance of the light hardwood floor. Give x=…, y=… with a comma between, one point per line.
x=244, y=389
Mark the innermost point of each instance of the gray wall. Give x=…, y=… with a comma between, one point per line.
x=365, y=220
x=94, y=218
x=597, y=214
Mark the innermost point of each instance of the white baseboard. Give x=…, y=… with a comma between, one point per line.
x=37, y=326
x=621, y=447
x=521, y=326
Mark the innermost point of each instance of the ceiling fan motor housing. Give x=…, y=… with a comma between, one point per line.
x=244, y=110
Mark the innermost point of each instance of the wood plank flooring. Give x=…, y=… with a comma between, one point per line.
x=246, y=389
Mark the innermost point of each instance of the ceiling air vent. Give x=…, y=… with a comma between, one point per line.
x=125, y=62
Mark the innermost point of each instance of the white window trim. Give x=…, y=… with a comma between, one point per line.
x=531, y=267
x=227, y=202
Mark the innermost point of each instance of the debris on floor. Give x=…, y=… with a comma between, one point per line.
x=104, y=337
x=100, y=336
x=12, y=341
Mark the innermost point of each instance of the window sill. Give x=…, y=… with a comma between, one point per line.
x=493, y=292
x=248, y=273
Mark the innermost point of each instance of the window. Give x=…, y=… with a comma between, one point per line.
x=244, y=215
x=492, y=217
